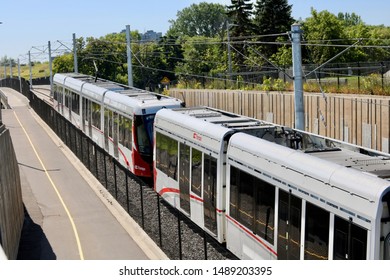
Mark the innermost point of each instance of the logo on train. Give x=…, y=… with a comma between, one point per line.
x=197, y=136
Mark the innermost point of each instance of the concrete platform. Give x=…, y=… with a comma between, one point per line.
x=69, y=214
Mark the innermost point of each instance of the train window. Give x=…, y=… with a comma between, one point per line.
x=242, y=193
x=166, y=155
x=75, y=98
x=125, y=127
x=144, y=133
x=196, y=175
x=115, y=132
x=108, y=123
x=57, y=93
x=86, y=118
x=252, y=203
x=209, y=193
x=264, y=209
x=350, y=240
x=316, y=233
x=184, y=178
x=96, y=115
x=289, y=226
x=66, y=98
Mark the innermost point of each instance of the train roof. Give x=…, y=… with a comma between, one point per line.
x=204, y=125
x=116, y=96
x=347, y=177
x=217, y=117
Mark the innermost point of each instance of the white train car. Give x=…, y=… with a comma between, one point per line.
x=190, y=159
x=118, y=118
x=329, y=202
x=271, y=192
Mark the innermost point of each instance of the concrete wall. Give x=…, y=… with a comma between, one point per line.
x=11, y=204
x=357, y=119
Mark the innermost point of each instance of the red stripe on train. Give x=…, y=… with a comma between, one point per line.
x=252, y=235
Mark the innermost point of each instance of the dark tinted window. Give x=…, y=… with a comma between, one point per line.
x=144, y=133
x=125, y=127
x=252, y=203
x=289, y=228
x=350, y=240
x=196, y=166
x=166, y=155
x=209, y=193
x=184, y=178
x=316, y=233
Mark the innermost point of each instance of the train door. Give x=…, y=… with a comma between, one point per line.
x=209, y=193
x=289, y=226
x=184, y=178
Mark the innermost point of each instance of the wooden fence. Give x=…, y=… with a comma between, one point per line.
x=357, y=119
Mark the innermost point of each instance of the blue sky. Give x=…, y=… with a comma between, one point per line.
x=27, y=23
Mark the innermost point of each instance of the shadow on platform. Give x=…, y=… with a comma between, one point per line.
x=33, y=242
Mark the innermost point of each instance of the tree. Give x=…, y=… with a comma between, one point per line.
x=202, y=57
x=272, y=17
x=63, y=64
x=241, y=26
x=203, y=19
x=171, y=52
x=323, y=29
x=350, y=19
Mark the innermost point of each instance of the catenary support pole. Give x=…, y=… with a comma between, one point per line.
x=76, y=66
x=30, y=66
x=298, y=76
x=50, y=70
x=129, y=63
x=20, y=77
x=10, y=69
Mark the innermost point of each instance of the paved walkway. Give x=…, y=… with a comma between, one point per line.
x=69, y=214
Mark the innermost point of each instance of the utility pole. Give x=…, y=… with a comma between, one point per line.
x=10, y=69
x=298, y=76
x=129, y=63
x=228, y=25
x=76, y=66
x=20, y=78
x=50, y=69
x=30, y=66
x=229, y=52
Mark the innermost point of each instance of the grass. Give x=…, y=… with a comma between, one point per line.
x=39, y=70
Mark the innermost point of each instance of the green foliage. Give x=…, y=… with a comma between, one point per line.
x=63, y=64
x=350, y=19
x=203, y=19
x=323, y=27
x=270, y=84
x=201, y=57
x=240, y=25
x=194, y=52
x=272, y=17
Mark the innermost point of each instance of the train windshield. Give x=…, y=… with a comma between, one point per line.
x=144, y=125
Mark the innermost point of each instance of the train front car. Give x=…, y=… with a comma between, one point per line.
x=190, y=158
x=116, y=117
x=143, y=126
x=293, y=195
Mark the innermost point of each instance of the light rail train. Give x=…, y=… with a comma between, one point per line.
x=266, y=191
x=271, y=192
x=117, y=117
